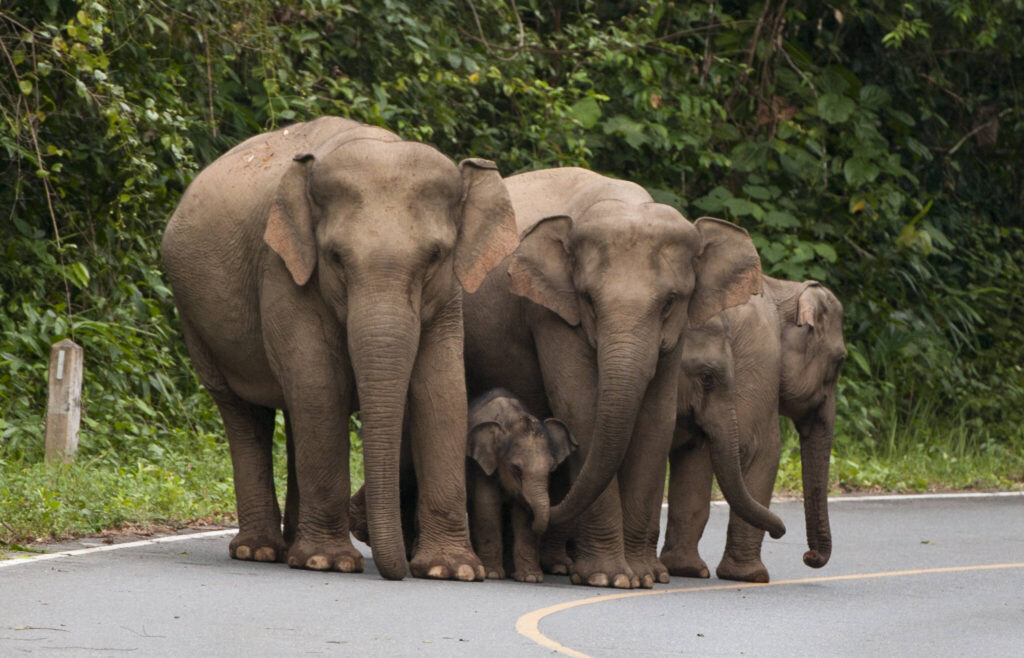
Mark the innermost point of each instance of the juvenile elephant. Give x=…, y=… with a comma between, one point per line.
x=778, y=353
x=583, y=323
x=317, y=270
x=512, y=458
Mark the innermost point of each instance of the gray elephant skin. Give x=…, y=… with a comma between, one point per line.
x=780, y=353
x=583, y=323
x=319, y=269
x=512, y=457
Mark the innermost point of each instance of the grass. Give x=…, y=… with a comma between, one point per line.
x=169, y=488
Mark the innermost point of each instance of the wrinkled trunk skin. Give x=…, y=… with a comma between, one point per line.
x=383, y=335
x=725, y=461
x=626, y=362
x=535, y=493
x=816, y=434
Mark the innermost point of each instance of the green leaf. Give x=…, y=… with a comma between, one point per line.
x=825, y=251
x=587, y=111
x=873, y=97
x=835, y=108
x=632, y=131
x=25, y=86
x=740, y=207
x=781, y=219
x=860, y=170
x=714, y=201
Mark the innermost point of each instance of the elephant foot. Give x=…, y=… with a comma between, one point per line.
x=649, y=569
x=752, y=571
x=325, y=555
x=685, y=565
x=556, y=562
x=266, y=546
x=603, y=572
x=494, y=571
x=528, y=572
x=459, y=564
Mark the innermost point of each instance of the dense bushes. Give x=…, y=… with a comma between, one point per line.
x=874, y=147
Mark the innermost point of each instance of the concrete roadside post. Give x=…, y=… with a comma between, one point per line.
x=64, y=406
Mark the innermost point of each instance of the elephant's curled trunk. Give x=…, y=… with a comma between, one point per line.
x=725, y=461
x=816, y=434
x=382, y=339
x=626, y=365
x=537, y=499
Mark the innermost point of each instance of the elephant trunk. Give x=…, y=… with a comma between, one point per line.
x=535, y=493
x=815, y=450
x=626, y=362
x=383, y=335
x=725, y=460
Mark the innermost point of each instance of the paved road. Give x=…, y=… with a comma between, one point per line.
x=909, y=577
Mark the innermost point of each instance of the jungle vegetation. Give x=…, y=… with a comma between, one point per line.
x=875, y=146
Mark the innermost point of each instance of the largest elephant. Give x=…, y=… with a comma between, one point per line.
x=583, y=323
x=319, y=269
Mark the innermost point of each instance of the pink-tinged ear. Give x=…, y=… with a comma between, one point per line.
x=487, y=232
x=482, y=445
x=289, y=229
x=811, y=303
x=541, y=269
x=728, y=269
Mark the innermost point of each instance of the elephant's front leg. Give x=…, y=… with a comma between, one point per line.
x=642, y=474
x=485, y=521
x=525, y=547
x=689, y=505
x=437, y=397
x=742, y=558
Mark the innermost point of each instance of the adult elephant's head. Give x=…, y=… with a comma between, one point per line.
x=385, y=231
x=632, y=275
x=813, y=351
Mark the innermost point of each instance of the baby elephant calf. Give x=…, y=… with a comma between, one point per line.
x=512, y=456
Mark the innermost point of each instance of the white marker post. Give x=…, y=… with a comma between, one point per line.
x=64, y=407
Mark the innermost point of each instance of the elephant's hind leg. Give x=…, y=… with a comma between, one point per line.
x=250, y=432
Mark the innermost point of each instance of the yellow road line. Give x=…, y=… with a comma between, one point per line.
x=529, y=624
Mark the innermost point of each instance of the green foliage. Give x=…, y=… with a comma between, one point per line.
x=873, y=147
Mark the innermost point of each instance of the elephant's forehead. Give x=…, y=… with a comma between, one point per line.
x=627, y=225
x=389, y=166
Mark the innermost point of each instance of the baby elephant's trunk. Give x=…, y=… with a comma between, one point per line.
x=535, y=491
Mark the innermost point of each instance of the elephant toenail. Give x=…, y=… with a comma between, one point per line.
x=480, y=572
x=318, y=562
x=621, y=581
x=648, y=581
x=345, y=565
x=493, y=575
x=576, y=579
x=663, y=578
x=437, y=572
x=266, y=554
x=465, y=573
x=598, y=580
x=560, y=570
x=243, y=553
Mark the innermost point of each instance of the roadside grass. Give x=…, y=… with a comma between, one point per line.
x=42, y=501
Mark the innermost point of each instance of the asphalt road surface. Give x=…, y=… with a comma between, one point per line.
x=910, y=576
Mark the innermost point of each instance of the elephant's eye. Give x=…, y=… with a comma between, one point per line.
x=517, y=472
x=336, y=257
x=667, y=306
x=435, y=255
x=587, y=299
x=707, y=381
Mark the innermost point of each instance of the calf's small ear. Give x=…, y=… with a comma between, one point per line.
x=482, y=445
x=562, y=441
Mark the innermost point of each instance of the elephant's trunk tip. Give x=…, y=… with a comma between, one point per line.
x=394, y=571
x=776, y=528
x=539, y=526
x=815, y=560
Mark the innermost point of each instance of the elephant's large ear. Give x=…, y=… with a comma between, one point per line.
x=562, y=443
x=482, y=445
x=541, y=269
x=487, y=232
x=728, y=269
x=289, y=229
x=811, y=303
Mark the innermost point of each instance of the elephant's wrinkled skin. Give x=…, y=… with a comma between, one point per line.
x=317, y=270
x=583, y=323
x=779, y=353
x=512, y=457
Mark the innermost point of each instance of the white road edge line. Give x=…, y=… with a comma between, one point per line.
x=113, y=547
x=13, y=562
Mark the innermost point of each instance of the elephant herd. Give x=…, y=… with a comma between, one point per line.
x=526, y=355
